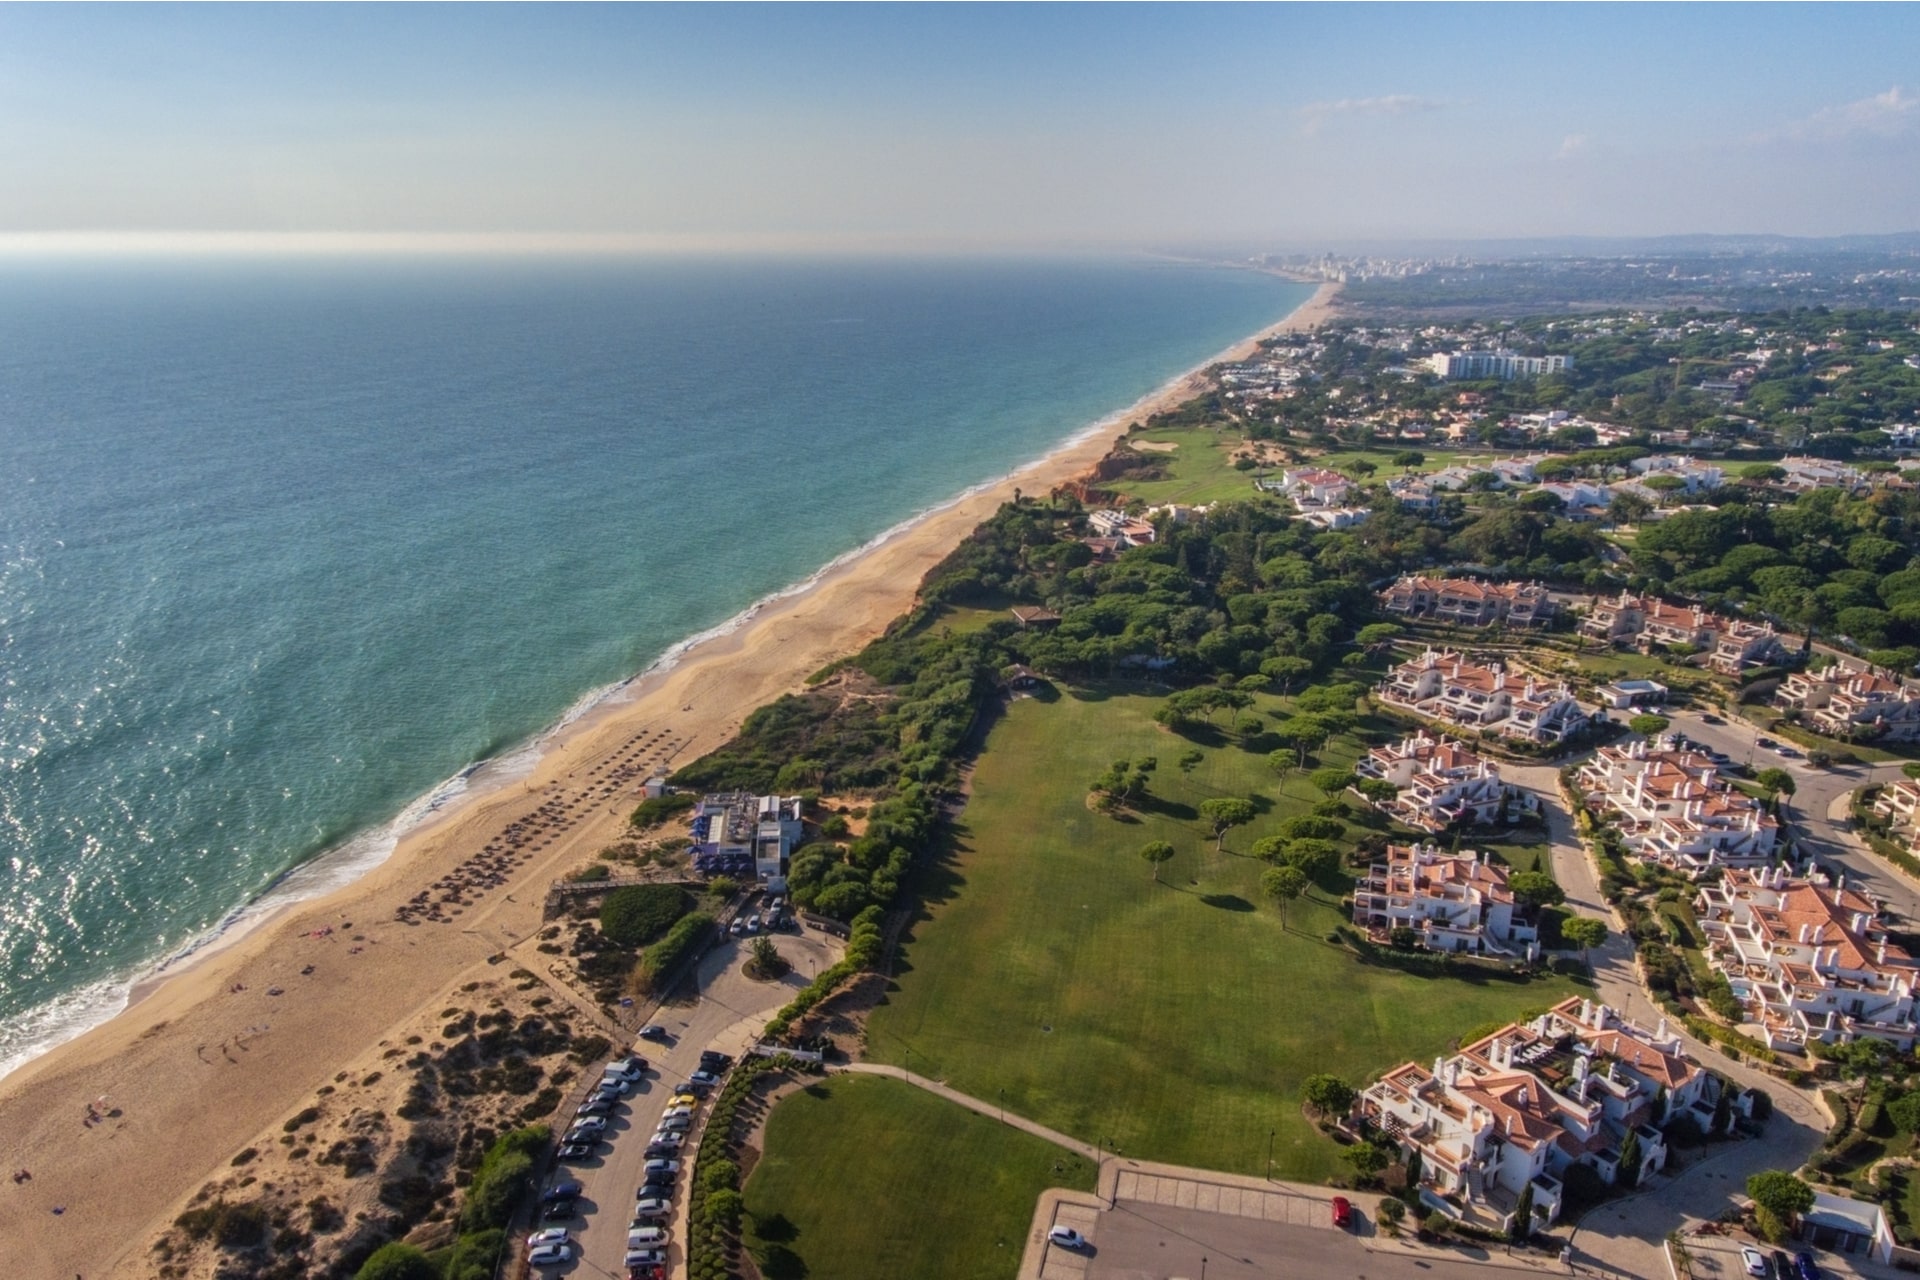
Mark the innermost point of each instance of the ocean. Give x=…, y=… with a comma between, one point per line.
x=286, y=549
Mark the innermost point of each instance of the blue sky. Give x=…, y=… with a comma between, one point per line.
x=991, y=126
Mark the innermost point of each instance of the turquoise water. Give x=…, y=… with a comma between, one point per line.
x=285, y=548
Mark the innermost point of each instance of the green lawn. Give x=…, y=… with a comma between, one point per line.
x=1199, y=471
x=1177, y=1019
x=869, y=1177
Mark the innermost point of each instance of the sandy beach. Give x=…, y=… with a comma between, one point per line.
x=211, y=1055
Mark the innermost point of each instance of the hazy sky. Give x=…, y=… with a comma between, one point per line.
x=994, y=125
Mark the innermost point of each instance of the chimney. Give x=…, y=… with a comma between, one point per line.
x=1586, y=1012
x=1600, y=1016
x=1880, y=952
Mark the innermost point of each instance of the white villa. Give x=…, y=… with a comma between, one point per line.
x=1849, y=701
x=1514, y=1110
x=1451, y=689
x=1671, y=807
x=1808, y=961
x=1455, y=902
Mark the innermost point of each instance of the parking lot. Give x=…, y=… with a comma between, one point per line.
x=727, y=1017
x=1143, y=1241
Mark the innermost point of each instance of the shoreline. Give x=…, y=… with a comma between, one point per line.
x=320, y=999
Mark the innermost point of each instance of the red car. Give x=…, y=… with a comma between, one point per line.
x=1342, y=1213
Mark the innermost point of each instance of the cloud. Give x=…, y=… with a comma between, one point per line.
x=1316, y=114
x=1574, y=144
x=1883, y=115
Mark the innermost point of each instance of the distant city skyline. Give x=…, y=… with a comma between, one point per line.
x=996, y=127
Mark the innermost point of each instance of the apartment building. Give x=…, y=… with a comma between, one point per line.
x=1807, y=960
x=1646, y=622
x=1453, y=690
x=1441, y=783
x=1672, y=807
x=1504, y=365
x=1453, y=901
x=1514, y=1110
x=1848, y=700
x=1468, y=602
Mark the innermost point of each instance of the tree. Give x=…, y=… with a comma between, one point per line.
x=1409, y=458
x=1328, y=1094
x=1536, y=889
x=1648, y=726
x=1283, y=885
x=1629, y=1176
x=1331, y=781
x=1904, y=1111
x=1378, y=790
x=764, y=959
x=1224, y=812
x=1156, y=852
x=1392, y=1213
x=1522, y=1216
x=1583, y=932
x=1778, y=1198
x=396, y=1261
x=1776, y=780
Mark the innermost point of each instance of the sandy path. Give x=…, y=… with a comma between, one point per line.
x=189, y=1067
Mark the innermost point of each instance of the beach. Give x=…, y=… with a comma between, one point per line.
x=209, y=1056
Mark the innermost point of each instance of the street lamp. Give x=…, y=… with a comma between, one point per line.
x=1270, y=1134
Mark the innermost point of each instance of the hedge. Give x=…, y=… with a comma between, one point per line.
x=665, y=956
x=1732, y=1039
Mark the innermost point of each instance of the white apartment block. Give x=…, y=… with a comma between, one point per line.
x=1671, y=807
x=1804, y=474
x=1441, y=783
x=1467, y=602
x=1516, y=1109
x=1453, y=901
x=1847, y=700
x=1699, y=477
x=1449, y=688
x=1504, y=365
x=1808, y=961
x=1731, y=645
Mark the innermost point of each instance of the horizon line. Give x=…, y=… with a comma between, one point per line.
x=126, y=244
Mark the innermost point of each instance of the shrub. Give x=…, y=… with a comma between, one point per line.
x=397, y=1261
x=637, y=914
x=664, y=957
x=657, y=809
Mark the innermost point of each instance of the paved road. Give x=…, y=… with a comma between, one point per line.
x=1814, y=814
x=728, y=1016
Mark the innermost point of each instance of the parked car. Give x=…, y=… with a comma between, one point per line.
x=641, y=1237
x=1787, y=752
x=1066, y=1238
x=1782, y=1265
x=1342, y=1213
x=565, y=1189
x=1765, y=742
x=626, y=1069
x=589, y=1124
x=1711, y=718
x=550, y=1255
x=652, y=1207
x=612, y=1088
x=646, y=1257
x=714, y=1060
x=1803, y=1264
x=585, y=1149
x=675, y=1124
x=684, y=1100
x=705, y=1079
x=559, y=1210
x=596, y=1107
x=693, y=1087
x=653, y=1031
x=653, y=1168
x=681, y=1111
x=548, y=1235
x=655, y=1191
x=1756, y=1265
x=667, y=1141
